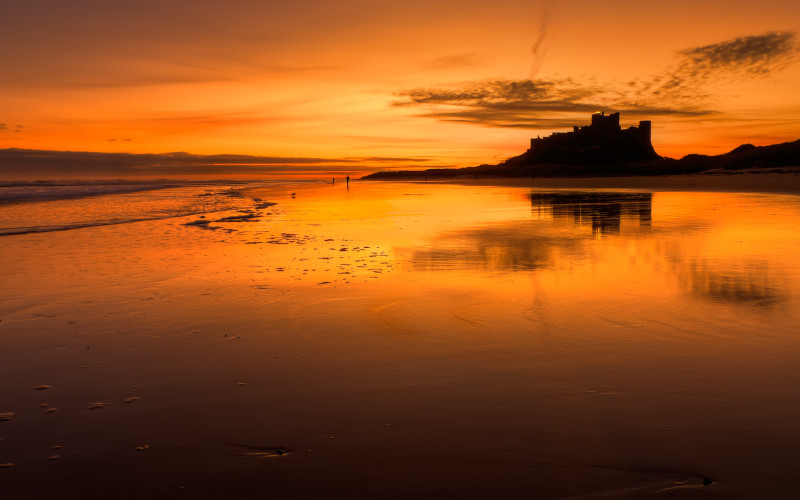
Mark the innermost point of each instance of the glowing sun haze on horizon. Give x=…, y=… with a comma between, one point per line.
x=392, y=84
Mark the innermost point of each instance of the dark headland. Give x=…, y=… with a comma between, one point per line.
x=605, y=149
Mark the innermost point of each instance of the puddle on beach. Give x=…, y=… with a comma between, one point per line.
x=482, y=340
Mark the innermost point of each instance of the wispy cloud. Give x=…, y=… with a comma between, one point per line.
x=386, y=159
x=4, y=127
x=682, y=89
x=760, y=54
x=698, y=70
x=455, y=61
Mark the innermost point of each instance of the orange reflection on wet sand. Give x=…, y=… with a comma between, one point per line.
x=486, y=341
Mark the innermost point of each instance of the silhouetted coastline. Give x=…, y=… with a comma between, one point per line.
x=603, y=149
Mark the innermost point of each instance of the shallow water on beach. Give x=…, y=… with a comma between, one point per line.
x=403, y=340
x=35, y=208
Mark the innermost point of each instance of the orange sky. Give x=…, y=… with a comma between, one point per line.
x=392, y=84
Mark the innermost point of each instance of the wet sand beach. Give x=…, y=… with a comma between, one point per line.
x=776, y=181
x=407, y=340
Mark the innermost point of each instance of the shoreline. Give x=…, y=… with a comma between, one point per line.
x=741, y=181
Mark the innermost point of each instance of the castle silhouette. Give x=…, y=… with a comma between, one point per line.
x=602, y=142
x=616, y=151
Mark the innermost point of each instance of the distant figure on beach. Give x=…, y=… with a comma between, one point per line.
x=347, y=180
x=333, y=180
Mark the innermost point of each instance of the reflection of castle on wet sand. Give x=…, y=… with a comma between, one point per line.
x=604, y=211
x=747, y=281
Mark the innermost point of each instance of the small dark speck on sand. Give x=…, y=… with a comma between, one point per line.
x=240, y=218
x=131, y=399
x=707, y=481
x=142, y=447
x=42, y=387
x=198, y=223
x=97, y=405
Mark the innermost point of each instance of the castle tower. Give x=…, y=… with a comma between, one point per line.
x=605, y=124
x=644, y=131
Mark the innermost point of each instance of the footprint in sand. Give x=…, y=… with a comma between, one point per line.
x=97, y=405
x=51, y=410
x=7, y=416
x=265, y=454
x=131, y=399
x=7, y=465
x=262, y=451
x=42, y=387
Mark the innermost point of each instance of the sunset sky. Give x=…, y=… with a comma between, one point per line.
x=325, y=86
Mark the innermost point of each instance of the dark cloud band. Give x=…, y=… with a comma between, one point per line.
x=35, y=163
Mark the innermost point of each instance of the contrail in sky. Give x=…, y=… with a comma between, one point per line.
x=536, y=49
